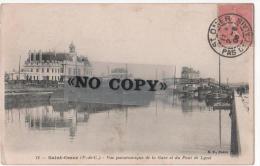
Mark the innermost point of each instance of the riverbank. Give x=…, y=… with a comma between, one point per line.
x=245, y=127
x=19, y=91
x=32, y=96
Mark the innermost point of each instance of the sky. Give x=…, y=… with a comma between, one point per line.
x=164, y=34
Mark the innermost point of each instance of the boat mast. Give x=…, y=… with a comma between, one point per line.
x=19, y=67
x=220, y=132
x=174, y=79
x=219, y=73
x=156, y=73
x=126, y=71
x=219, y=82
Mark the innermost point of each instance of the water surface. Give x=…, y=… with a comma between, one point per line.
x=166, y=125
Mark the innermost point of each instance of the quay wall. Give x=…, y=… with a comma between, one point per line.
x=245, y=129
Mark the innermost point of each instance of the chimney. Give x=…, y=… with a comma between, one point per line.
x=40, y=56
x=29, y=53
x=34, y=55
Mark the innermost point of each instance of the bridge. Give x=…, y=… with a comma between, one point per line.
x=192, y=81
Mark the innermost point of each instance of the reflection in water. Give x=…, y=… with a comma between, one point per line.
x=63, y=115
x=167, y=124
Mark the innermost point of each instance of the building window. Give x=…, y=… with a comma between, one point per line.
x=37, y=57
x=69, y=71
x=31, y=69
x=37, y=70
x=47, y=70
x=52, y=70
x=43, y=70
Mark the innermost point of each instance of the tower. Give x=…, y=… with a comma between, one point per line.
x=72, y=48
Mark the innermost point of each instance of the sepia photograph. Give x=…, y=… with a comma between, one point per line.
x=127, y=83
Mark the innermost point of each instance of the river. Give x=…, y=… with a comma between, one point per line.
x=166, y=125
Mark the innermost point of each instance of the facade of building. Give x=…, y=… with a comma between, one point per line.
x=189, y=73
x=54, y=66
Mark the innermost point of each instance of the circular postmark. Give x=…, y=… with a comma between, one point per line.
x=230, y=35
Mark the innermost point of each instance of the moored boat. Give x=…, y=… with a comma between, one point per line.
x=219, y=96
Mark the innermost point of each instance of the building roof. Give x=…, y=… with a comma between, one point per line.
x=189, y=70
x=58, y=56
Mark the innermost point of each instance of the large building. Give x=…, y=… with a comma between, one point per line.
x=189, y=73
x=53, y=66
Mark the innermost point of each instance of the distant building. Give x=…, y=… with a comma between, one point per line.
x=189, y=73
x=51, y=65
x=120, y=73
x=13, y=75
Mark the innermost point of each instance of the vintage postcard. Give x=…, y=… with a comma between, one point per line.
x=127, y=83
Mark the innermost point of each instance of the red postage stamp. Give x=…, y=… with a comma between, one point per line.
x=231, y=34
